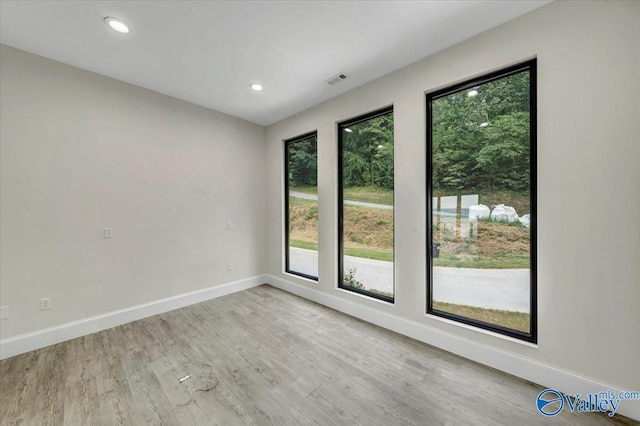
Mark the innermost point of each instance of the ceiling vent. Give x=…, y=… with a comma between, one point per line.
x=337, y=78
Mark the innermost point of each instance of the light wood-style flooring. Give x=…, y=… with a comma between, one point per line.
x=266, y=357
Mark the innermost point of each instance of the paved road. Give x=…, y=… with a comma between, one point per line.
x=349, y=202
x=505, y=289
x=303, y=260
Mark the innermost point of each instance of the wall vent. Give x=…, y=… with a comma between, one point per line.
x=336, y=78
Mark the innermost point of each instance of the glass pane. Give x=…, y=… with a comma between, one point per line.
x=367, y=206
x=481, y=202
x=302, y=243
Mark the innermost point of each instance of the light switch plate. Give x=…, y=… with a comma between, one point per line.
x=45, y=304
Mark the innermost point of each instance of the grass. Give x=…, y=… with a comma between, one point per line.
x=518, y=200
x=496, y=245
x=383, y=293
x=305, y=189
x=294, y=201
x=507, y=262
x=368, y=253
x=367, y=194
x=513, y=320
x=515, y=224
x=368, y=233
x=349, y=251
x=368, y=228
x=372, y=194
x=303, y=244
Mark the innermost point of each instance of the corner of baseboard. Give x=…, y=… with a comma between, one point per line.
x=508, y=362
x=41, y=338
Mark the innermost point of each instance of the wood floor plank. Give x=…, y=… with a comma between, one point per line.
x=81, y=394
x=262, y=357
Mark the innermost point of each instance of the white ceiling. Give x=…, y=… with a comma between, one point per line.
x=208, y=52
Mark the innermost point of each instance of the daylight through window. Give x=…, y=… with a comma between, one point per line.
x=365, y=218
x=481, y=204
x=301, y=206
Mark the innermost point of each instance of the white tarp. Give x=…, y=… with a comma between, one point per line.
x=478, y=211
x=504, y=213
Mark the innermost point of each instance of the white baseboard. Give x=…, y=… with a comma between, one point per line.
x=49, y=336
x=515, y=364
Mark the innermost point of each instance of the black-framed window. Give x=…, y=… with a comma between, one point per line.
x=481, y=202
x=301, y=205
x=365, y=205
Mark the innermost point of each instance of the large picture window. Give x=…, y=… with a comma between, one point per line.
x=365, y=203
x=481, y=206
x=301, y=206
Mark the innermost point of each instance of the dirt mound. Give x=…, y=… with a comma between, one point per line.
x=373, y=228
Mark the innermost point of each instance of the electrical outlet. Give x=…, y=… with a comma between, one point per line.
x=4, y=312
x=108, y=232
x=229, y=266
x=45, y=304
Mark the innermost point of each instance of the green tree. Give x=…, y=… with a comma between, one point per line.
x=480, y=136
x=367, y=157
x=504, y=159
x=303, y=162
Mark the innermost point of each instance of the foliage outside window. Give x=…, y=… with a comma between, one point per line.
x=481, y=203
x=365, y=169
x=301, y=206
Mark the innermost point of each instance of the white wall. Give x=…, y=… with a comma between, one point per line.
x=81, y=152
x=588, y=190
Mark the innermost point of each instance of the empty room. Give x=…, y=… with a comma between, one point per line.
x=320, y=212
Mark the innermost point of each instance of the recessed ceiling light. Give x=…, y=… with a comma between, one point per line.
x=116, y=24
x=472, y=93
x=348, y=130
x=256, y=86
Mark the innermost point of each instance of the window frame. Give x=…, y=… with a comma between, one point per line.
x=340, y=126
x=529, y=65
x=287, y=143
